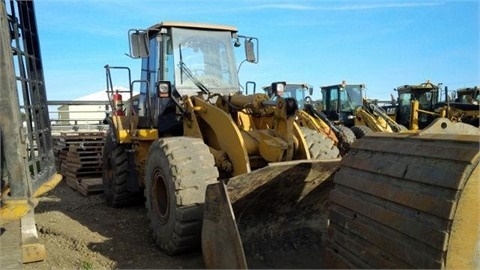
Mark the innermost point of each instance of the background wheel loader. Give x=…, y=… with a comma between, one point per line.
x=311, y=117
x=418, y=105
x=469, y=95
x=344, y=104
x=27, y=165
x=202, y=152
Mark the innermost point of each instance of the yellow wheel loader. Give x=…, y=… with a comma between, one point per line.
x=467, y=95
x=418, y=105
x=376, y=118
x=311, y=118
x=344, y=105
x=27, y=164
x=193, y=134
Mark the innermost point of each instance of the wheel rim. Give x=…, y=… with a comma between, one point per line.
x=160, y=197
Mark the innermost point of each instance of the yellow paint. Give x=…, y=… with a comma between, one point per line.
x=464, y=243
x=125, y=136
x=374, y=122
x=141, y=155
x=49, y=185
x=228, y=135
x=13, y=210
x=302, y=147
x=414, y=115
x=191, y=128
x=304, y=119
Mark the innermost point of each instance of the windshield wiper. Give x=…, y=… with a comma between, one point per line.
x=188, y=72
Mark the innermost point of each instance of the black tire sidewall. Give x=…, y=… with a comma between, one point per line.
x=116, y=174
x=158, y=160
x=107, y=166
x=361, y=131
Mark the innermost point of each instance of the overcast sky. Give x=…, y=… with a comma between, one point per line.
x=382, y=44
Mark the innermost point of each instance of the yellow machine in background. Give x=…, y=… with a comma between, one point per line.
x=419, y=105
x=468, y=95
x=344, y=104
x=309, y=117
x=375, y=118
x=27, y=165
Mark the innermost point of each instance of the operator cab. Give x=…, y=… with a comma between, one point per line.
x=469, y=95
x=340, y=102
x=184, y=59
x=426, y=94
x=298, y=91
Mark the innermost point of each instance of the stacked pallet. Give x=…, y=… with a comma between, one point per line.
x=79, y=160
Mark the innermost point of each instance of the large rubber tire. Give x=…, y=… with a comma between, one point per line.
x=116, y=174
x=320, y=146
x=346, y=139
x=178, y=171
x=360, y=131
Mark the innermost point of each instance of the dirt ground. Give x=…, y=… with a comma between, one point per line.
x=84, y=233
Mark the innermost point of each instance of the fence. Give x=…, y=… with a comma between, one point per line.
x=78, y=116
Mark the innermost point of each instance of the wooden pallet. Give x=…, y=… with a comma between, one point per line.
x=88, y=186
x=72, y=182
x=79, y=159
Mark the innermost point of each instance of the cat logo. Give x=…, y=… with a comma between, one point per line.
x=390, y=111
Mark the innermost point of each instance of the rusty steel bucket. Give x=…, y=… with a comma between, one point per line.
x=274, y=217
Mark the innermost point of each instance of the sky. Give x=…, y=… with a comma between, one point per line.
x=382, y=44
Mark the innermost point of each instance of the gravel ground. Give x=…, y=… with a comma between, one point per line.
x=84, y=233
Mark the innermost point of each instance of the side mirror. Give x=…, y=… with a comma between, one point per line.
x=310, y=91
x=164, y=89
x=278, y=88
x=250, y=50
x=138, y=41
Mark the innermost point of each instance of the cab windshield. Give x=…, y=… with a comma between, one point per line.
x=351, y=97
x=208, y=56
x=297, y=92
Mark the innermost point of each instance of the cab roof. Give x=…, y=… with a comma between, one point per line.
x=467, y=89
x=201, y=26
x=427, y=86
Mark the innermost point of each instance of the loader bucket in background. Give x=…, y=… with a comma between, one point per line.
x=274, y=217
x=408, y=201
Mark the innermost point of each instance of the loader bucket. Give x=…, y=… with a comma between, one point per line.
x=274, y=217
x=408, y=201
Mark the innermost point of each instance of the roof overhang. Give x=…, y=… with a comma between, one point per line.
x=192, y=25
